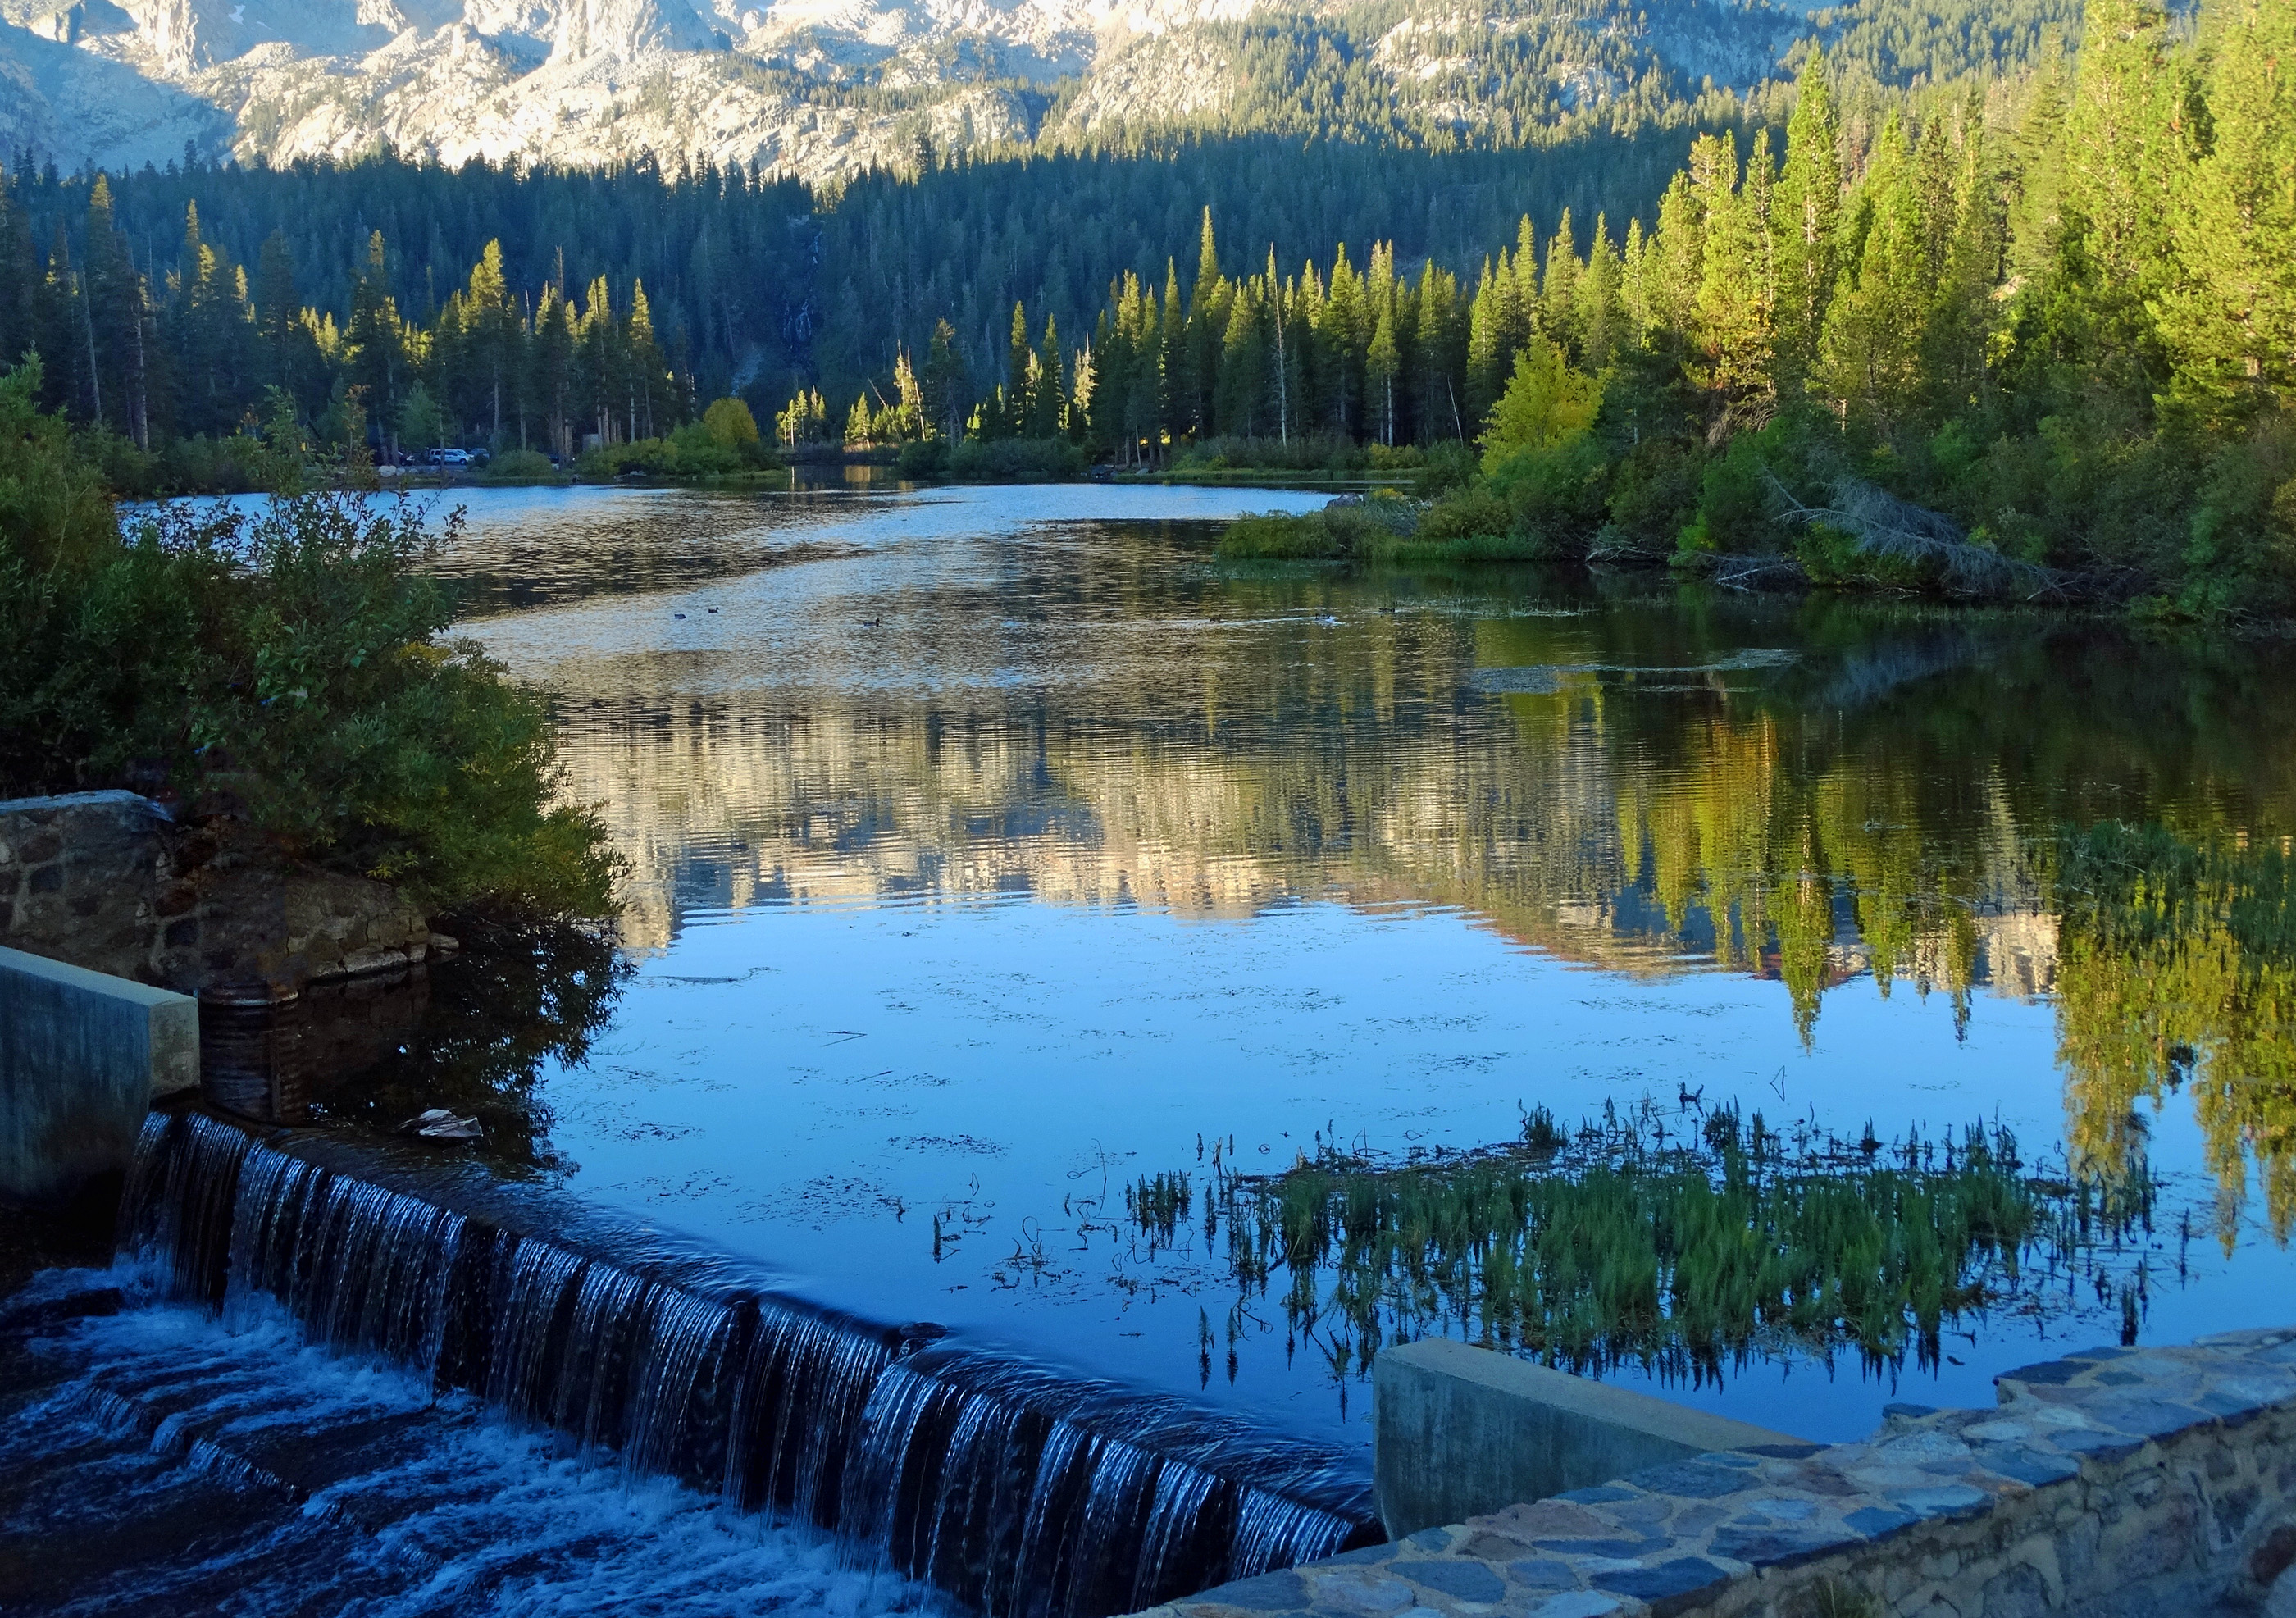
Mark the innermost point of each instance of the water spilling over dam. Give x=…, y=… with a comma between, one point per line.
x=1009, y=1487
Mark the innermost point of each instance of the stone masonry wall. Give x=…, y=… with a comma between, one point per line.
x=107, y=880
x=2115, y=1484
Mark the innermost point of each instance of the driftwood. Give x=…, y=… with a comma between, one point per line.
x=1883, y=525
x=1759, y=573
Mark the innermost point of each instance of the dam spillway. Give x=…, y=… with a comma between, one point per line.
x=1010, y=1487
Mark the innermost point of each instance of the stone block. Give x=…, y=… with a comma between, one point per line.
x=1459, y=1431
x=82, y=1056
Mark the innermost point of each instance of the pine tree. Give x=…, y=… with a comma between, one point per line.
x=2230, y=322
x=551, y=368
x=1558, y=288
x=647, y=379
x=1020, y=362
x=1958, y=333
x=944, y=391
x=1808, y=211
x=1048, y=387
x=1209, y=298
x=1381, y=365
x=1869, y=354
x=1731, y=312
x=1344, y=334
x=1596, y=317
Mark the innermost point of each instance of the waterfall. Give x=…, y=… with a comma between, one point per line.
x=1020, y=1492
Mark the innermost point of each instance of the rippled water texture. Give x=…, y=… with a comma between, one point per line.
x=991, y=850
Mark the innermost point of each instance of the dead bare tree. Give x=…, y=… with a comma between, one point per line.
x=1885, y=526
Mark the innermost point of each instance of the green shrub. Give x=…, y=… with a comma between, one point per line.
x=1016, y=461
x=289, y=660
x=690, y=451
x=923, y=460
x=1470, y=513
x=1734, y=510
x=1344, y=531
x=729, y=423
x=520, y=466
x=1444, y=467
x=1305, y=454
x=1653, y=490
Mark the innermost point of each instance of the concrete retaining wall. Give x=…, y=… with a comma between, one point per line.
x=1461, y=1430
x=2114, y=1483
x=82, y=1054
x=107, y=880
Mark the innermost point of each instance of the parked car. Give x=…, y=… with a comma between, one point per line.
x=450, y=457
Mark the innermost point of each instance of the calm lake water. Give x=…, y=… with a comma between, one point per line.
x=993, y=849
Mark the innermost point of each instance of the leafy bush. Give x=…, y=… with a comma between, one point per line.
x=287, y=661
x=729, y=423
x=1468, y=514
x=1344, y=531
x=1654, y=488
x=1016, y=461
x=690, y=451
x=520, y=466
x=1305, y=454
x=923, y=460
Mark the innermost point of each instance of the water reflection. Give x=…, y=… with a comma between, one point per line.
x=262, y=1060
x=471, y=1035
x=1006, y=803
x=1816, y=794
x=2178, y=972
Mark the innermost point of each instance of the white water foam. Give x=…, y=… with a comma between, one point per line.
x=482, y=1517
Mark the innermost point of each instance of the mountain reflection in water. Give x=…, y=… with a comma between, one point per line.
x=1109, y=784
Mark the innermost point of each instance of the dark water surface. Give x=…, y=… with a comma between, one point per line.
x=993, y=850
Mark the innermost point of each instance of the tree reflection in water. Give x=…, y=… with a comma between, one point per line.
x=474, y=1034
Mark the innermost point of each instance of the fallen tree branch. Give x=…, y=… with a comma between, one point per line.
x=1884, y=526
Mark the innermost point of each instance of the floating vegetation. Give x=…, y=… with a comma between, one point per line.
x=1682, y=1241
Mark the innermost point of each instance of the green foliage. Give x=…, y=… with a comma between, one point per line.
x=1547, y=405
x=1682, y=1243
x=1015, y=461
x=728, y=421
x=1310, y=452
x=692, y=451
x=286, y=660
x=1346, y=530
x=520, y=466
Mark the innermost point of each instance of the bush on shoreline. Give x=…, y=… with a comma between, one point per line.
x=287, y=663
x=991, y=461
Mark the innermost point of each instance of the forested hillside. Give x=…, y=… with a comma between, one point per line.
x=2036, y=345
x=751, y=285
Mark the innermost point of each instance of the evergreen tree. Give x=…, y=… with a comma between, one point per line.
x=2230, y=322
x=1807, y=211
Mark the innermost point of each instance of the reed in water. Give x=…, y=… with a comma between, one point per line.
x=1683, y=1241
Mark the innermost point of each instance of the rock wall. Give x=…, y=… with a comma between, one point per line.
x=109, y=882
x=2114, y=1483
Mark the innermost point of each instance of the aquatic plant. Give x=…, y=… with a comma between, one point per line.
x=1682, y=1240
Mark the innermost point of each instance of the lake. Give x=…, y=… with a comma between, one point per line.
x=998, y=857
